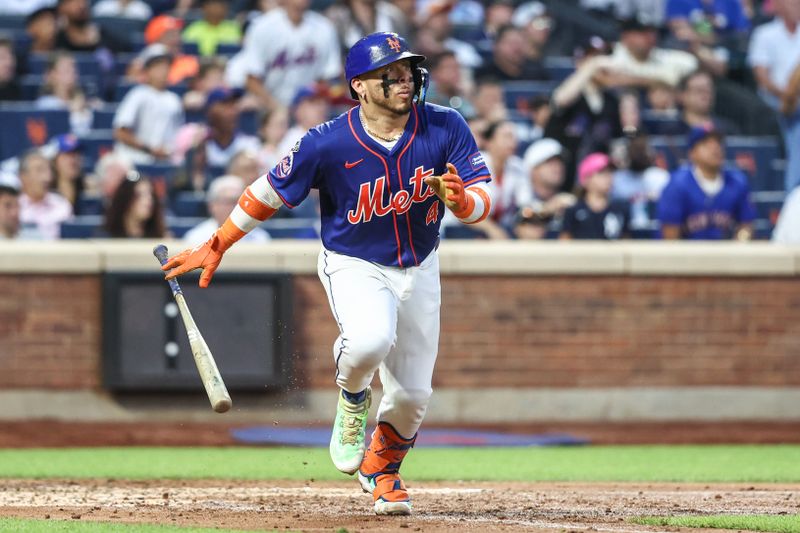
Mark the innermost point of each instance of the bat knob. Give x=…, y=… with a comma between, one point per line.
x=223, y=405
x=161, y=253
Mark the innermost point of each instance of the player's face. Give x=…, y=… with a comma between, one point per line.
x=398, y=96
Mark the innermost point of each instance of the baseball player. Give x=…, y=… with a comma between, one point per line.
x=385, y=171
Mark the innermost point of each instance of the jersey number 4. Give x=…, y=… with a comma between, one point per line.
x=433, y=214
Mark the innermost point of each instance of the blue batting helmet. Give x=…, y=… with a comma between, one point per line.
x=377, y=50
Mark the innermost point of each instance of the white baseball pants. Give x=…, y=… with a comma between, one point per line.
x=388, y=320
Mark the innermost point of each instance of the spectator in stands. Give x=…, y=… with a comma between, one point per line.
x=41, y=209
x=166, y=30
x=509, y=61
x=61, y=90
x=586, y=113
x=638, y=180
x=210, y=76
x=110, y=170
x=67, y=161
x=135, y=211
x=596, y=215
x=637, y=61
x=774, y=55
x=129, y=9
x=435, y=35
x=709, y=30
x=213, y=29
x=787, y=229
x=310, y=108
x=149, y=117
x=447, y=86
x=245, y=165
x=79, y=34
x=355, y=18
x=544, y=165
x=696, y=94
x=219, y=139
x=9, y=212
x=274, y=126
x=489, y=100
x=498, y=15
x=41, y=26
x=286, y=48
x=225, y=139
x=538, y=113
x=22, y=7
x=705, y=200
x=662, y=101
x=9, y=87
x=509, y=186
x=222, y=196
x=532, y=18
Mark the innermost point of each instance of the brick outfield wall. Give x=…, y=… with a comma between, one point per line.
x=512, y=331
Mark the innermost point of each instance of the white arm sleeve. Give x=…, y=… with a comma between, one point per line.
x=480, y=205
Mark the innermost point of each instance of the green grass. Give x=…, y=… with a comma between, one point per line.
x=776, y=523
x=773, y=463
x=74, y=526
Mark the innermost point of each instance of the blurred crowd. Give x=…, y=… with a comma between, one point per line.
x=598, y=119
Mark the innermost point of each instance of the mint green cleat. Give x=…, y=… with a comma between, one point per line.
x=349, y=429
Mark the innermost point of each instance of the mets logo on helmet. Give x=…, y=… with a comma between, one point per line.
x=394, y=43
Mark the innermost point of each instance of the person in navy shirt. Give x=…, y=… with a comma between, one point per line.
x=704, y=199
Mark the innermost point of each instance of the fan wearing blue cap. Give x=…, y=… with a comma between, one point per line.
x=705, y=199
x=386, y=170
x=225, y=139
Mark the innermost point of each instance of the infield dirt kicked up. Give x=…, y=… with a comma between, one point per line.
x=438, y=507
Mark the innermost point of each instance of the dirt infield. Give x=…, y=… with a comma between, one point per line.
x=55, y=433
x=439, y=507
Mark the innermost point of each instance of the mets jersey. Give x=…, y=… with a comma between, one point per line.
x=703, y=217
x=288, y=57
x=374, y=202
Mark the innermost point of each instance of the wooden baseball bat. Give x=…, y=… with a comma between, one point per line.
x=206, y=366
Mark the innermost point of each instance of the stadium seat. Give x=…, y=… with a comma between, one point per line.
x=292, y=228
x=97, y=143
x=190, y=49
x=90, y=205
x=519, y=93
x=178, y=226
x=24, y=127
x=189, y=204
x=461, y=231
x=12, y=22
x=129, y=31
x=104, y=118
x=756, y=156
x=228, y=49
x=82, y=227
x=559, y=67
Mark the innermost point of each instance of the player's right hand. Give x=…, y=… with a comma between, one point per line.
x=206, y=256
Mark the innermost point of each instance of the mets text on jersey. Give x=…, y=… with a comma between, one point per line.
x=372, y=200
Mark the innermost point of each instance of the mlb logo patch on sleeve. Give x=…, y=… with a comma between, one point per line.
x=476, y=161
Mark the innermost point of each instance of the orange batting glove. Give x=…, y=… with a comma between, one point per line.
x=450, y=188
x=206, y=256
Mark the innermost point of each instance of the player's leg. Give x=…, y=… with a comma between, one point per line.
x=366, y=312
x=406, y=375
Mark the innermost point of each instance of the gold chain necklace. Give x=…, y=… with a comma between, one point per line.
x=381, y=137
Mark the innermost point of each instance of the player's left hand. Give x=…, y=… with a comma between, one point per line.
x=450, y=188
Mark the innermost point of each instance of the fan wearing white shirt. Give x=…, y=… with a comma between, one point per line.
x=222, y=195
x=286, y=48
